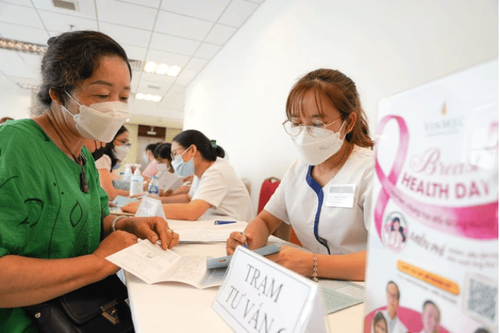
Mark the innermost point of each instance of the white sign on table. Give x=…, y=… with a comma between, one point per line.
x=150, y=207
x=259, y=295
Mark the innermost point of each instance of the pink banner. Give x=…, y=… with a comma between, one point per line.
x=478, y=222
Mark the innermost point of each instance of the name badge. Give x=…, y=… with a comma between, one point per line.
x=340, y=196
x=150, y=207
x=260, y=296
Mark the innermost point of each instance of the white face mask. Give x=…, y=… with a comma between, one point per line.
x=182, y=168
x=121, y=151
x=162, y=167
x=100, y=121
x=315, y=151
x=145, y=158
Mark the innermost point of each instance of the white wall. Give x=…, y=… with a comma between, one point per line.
x=14, y=102
x=385, y=46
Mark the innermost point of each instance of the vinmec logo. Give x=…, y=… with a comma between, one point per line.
x=445, y=125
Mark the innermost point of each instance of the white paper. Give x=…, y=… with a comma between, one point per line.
x=152, y=264
x=204, y=236
x=122, y=201
x=169, y=181
x=339, y=295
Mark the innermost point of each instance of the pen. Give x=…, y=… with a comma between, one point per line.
x=219, y=222
x=245, y=245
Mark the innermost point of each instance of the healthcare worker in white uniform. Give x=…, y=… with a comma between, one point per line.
x=326, y=195
x=216, y=189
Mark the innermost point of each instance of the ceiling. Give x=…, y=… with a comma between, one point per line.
x=186, y=33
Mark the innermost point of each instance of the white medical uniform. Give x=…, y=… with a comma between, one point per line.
x=105, y=163
x=300, y=201
x=220, y=187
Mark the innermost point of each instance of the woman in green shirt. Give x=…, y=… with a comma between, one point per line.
x=55, y=225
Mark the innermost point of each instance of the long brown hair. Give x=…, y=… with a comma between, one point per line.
x=341, y=91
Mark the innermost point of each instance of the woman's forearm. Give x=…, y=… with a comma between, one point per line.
x=27, y=281
x=260, y=228
x=180, y=198
x=342, y=267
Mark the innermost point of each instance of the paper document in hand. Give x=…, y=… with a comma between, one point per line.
x=152, y=264
x=169, y=181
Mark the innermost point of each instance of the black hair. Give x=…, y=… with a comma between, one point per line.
x=163, y=151
x=401, y=229
x=208, y=149
x=394, y=283
x=379, y=316
x=108, y=148
x=72, y=57
x=427, y=302
x=481, y=330
x=152, y=146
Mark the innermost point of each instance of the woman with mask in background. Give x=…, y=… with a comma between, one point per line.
x=56, y=229
x=216, y=188
x=149, y=159
x=163, y=156
x=324, y=196
x=114, y=152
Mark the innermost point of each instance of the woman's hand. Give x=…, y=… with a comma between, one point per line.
x=131, y=207
x=165, y=193
x=188, y=178
x=152, y=228
x=236, y=239
x=115, y=242
x=292, y=258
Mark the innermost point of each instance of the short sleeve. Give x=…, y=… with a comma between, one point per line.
x=211, y=189
x=103, y=163
x=150, y=170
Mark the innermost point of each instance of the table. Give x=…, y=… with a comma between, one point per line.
x=180, y=308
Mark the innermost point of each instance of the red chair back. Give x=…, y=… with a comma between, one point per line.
x=266, y=191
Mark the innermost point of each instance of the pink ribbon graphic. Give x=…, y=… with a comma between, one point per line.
x=478, y=222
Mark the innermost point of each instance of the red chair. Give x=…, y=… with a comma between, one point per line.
x=267, y=189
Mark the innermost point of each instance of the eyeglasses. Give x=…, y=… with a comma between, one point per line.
x=317, y=129
x=125, y=143
x=174, y=153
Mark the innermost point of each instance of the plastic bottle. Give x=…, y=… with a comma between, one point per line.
x=136, y=183
x=154, y=186
x=127, y=174
x=118, y=183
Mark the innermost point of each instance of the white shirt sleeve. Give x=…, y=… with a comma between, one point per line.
x=211, y=188
x=103, y=163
